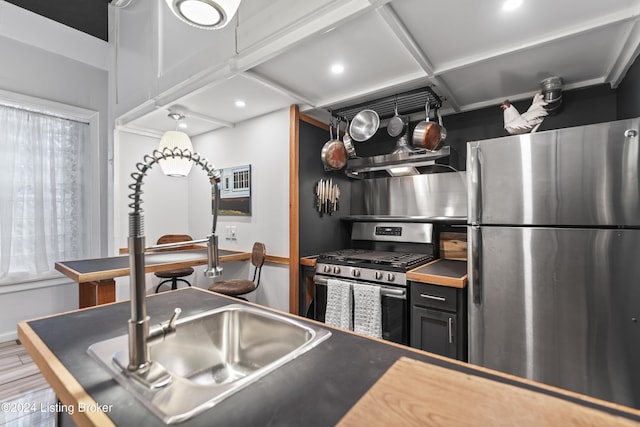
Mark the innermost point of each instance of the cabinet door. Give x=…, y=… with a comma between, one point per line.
x=434, y=331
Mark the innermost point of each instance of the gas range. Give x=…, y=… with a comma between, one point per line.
x=388, y=267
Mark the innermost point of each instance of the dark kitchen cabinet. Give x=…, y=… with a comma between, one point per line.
x=439, y=320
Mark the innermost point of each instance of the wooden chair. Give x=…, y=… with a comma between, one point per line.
x=174, y=276
x=238, y=287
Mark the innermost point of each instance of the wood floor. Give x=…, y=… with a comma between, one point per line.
x=25, y=397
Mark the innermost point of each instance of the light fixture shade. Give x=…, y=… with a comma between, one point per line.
x=205, y=14
x=175, y=166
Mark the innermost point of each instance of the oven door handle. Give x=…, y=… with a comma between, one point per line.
x=387, y=292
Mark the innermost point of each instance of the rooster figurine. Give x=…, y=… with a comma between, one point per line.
x=529, y=121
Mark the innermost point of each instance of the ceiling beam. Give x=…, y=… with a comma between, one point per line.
x=399, y=29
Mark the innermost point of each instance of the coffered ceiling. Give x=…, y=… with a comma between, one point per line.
x=474, y=54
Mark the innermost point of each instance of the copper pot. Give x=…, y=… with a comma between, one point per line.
x=427, y=134
x=333, y=154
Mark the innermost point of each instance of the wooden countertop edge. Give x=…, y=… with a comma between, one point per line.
x=67, y=389
x=452, y=282
x=309, y=261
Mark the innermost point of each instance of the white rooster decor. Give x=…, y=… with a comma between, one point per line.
x=529, y=121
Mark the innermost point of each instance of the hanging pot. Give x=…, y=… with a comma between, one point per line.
x=333, y=154
x=348, y=142
x=364, y=125
x=395, y=127
x=427, y=134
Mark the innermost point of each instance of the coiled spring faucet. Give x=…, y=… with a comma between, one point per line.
x=139, y=336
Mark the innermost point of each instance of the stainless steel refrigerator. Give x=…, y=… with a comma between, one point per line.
x=554, y=258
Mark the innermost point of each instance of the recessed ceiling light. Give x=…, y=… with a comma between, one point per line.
x=182, y=125
x=337, y=68
x=240, y=103
x=510, y=5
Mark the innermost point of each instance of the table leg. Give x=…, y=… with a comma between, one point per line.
x=96, y=292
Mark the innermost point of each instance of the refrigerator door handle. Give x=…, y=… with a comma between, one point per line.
x=474, y=183
x=475, y=236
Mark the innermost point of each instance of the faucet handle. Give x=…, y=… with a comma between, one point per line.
x=174, y=317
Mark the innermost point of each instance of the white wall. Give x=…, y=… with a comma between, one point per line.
x=177, y=205
x=50, y=61
x=263, y=143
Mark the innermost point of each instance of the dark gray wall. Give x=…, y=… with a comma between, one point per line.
x=319, y=233
x=595, y=104
x=629, y=93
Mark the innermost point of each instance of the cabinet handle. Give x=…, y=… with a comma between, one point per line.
x=434, y=297
x=450, y=325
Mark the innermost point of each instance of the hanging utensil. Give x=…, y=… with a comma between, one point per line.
x=333, y=154
x=348, y=143
x=364, y=125
x=395, y=127
x=427, y=134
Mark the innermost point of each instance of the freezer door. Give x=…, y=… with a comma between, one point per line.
x=585, y=176
x=559, y=306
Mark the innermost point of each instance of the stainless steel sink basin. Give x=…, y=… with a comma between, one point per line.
x=211, y=356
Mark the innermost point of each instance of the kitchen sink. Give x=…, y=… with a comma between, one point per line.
x=211, y=356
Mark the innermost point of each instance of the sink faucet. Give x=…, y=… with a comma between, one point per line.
x=139, y=335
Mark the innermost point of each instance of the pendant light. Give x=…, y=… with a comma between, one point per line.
x=205, y=14
x=175, y=139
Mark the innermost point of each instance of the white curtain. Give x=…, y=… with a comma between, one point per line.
x=43, y=215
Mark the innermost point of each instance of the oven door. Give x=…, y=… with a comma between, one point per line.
x=394, y=308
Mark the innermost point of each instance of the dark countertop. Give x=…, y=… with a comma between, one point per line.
x=110, y=267
x=316, y=389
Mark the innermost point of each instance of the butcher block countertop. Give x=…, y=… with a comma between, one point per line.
x=346, y=380
x=443, y=272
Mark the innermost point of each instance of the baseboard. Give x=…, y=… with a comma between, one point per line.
x=8, y=336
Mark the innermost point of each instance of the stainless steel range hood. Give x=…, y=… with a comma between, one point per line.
x=390, y=162
x=422, y=198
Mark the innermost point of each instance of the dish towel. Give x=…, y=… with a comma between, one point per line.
x=339, y=304
x=367, y=310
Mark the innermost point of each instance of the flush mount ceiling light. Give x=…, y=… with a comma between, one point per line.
x=337, y=68
x=175, y=139
x=204, y=14
x=510, y=5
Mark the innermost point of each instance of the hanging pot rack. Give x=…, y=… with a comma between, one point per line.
x=409, y=102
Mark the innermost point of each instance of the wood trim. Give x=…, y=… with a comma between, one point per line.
x=294, y=249
x=452, y=282
x=67, y=389
x=273, y=259
x=313, y=122
x=96, y=293
x=308, y=261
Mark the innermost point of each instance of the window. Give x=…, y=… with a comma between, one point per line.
x=44, y=213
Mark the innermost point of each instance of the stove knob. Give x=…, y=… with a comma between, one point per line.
x=378, y=275
x=326, y=269
x=355, y=273
x=391, y=277
x=336, y=270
